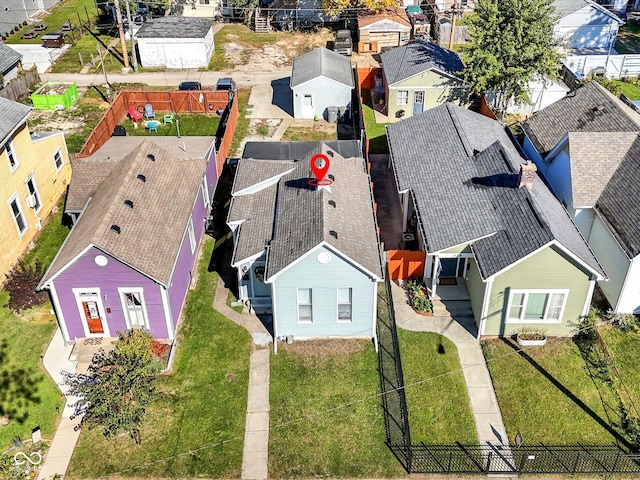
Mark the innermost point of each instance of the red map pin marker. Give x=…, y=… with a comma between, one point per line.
x=319, y=165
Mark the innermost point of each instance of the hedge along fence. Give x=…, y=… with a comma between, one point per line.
x=191, y=102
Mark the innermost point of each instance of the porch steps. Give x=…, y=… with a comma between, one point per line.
x=453, y=308
x=261, y=22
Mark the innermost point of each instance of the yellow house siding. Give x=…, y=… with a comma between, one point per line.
x=548, y=269
x=35, y=156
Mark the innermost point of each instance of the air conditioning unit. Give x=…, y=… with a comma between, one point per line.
x=31, y=201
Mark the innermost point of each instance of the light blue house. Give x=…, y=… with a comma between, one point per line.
x=584, y=24
x=307, y=256
x=320, y=79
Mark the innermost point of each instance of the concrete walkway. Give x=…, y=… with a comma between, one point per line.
x=482, y=397
x=255, y=459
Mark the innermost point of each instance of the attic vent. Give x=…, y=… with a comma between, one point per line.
x=115, y=228
x=332, y=203
x=330, y=153
x=598, y=108
x=331, y=177
x=151, y=157
x=128, y=203
x=141, y=177
x=334, y=234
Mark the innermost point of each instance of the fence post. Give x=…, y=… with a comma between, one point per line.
x=489, y=457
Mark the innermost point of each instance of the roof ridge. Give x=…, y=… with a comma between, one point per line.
x=459, y=129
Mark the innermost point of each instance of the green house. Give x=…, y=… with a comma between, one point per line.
x=494, y=234
x=421, y=75
x=55, y=96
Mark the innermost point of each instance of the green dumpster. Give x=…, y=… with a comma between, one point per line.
x=55, y=96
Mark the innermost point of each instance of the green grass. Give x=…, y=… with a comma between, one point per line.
x=242, y=127
x=204, y=403
x=69, y=62
x=190, y=126
x=630, y=90
x=439, y=410
x=232, y=298
x=561, y=405
x=307, y=134
x=49, y=241
x=326, y=419
x=625, y=350
x=375, y=131
x=628, y=39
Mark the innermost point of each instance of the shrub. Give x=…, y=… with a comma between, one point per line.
x=631, y=427
x=625, y=322
x=532, y=333
x=21, y=284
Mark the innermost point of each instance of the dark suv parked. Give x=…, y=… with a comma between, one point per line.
x=227, y=83
x=190, y=86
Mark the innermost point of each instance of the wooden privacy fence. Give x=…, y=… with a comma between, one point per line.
x=193, y=101
x=20, y=86
x=405, y=264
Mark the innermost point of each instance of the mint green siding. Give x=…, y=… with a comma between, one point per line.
x=547, y=270
x=476, y=288
x=463, y=248
x=437, y=88
x=324, y=280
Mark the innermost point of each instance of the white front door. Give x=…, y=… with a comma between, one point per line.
x=306, y=103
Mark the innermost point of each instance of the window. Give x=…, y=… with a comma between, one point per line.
x=403, y=97
x=18, y=215
x=344, y=304
x=205, y=196
x=11, y=155
x=192, y=236
x=133, y=307
x=536, y=305
x=305, y=305
x=33, y=191
x=58, y=160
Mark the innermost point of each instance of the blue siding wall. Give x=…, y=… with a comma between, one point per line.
x=325, y=92
x=324, y=280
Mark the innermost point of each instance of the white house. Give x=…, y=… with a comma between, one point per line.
x=176, y=42
x=585, y=24
x=320, y=79
x=588, y=149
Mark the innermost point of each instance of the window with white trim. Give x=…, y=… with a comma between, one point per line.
x=134, y=307
x=18, y=214
x=344, y=304
x=58, y=160
x=192, y=236
x=32, y=188
x=305, y=305
x=536, y=305
x=403, y=97
x=11, y=156
x=205, y=199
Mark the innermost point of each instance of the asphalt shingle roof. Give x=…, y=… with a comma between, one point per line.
x=303, y=216
x=589, y=108
x=152, y=231
x=463, y=170
x=322, y=62
x=418, y=56
x=397, y=15
x=13, y=114
x=8, y=58
x=175, y=27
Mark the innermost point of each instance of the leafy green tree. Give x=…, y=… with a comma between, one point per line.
x=511, y=44
x=120, y=385
x=334, y=7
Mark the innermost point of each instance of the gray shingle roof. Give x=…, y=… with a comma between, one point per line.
x=175, y=27
x=418, y=56
x=619, y=201
x=152, y=231
x=322, y=62
x=13, y=114
x=304, y=217
x=589, y=108
x=461, y=169
x=297, y=150
x=8, y=58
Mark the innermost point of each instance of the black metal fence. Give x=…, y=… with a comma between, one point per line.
x=457, y=458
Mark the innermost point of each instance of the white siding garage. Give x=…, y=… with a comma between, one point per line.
x=176, y=42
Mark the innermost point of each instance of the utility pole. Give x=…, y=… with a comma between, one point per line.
x=123, y=42
x=454, y=14
x=104, y=72
x=133, y=44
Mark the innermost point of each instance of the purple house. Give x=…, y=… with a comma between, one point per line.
x=139, y=206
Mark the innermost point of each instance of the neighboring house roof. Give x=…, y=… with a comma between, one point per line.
x=416, y=57
x=463, y=171
x=322, y=62
x=298, y=150
x=8, y=58
x=589, y=108
x=397, y=15
x=89, y=172
x=290, y=218
x=619, y=204
x=13, y=115
x=567, y=7
x=151, y=232
x=175, y=27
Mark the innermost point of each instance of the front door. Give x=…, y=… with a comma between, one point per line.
x=92, y=316
x=449, y=267
x=91, y=312
x=307, y=106
x=418, y=102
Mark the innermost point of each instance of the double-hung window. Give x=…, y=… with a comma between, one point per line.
x=18, y=214
x=537, y=305
x=403, y=97
x=305, y=305
x=11, y=156
x=58, y=160
x=192, y=236
x=344, y=304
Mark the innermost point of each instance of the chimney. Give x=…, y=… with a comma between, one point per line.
x=527, y=174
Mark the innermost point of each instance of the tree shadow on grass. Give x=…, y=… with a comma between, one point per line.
x=18, y=388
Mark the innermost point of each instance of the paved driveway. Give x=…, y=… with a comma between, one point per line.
x=38, y=55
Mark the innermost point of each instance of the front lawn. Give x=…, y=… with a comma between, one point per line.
x=628, y=39
x=190, y=126
x=624, y=348
x=326, y=419
x=376, y=132
x=316, y=133
x=547, y=394
x=203, y=405
x=438, y=406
